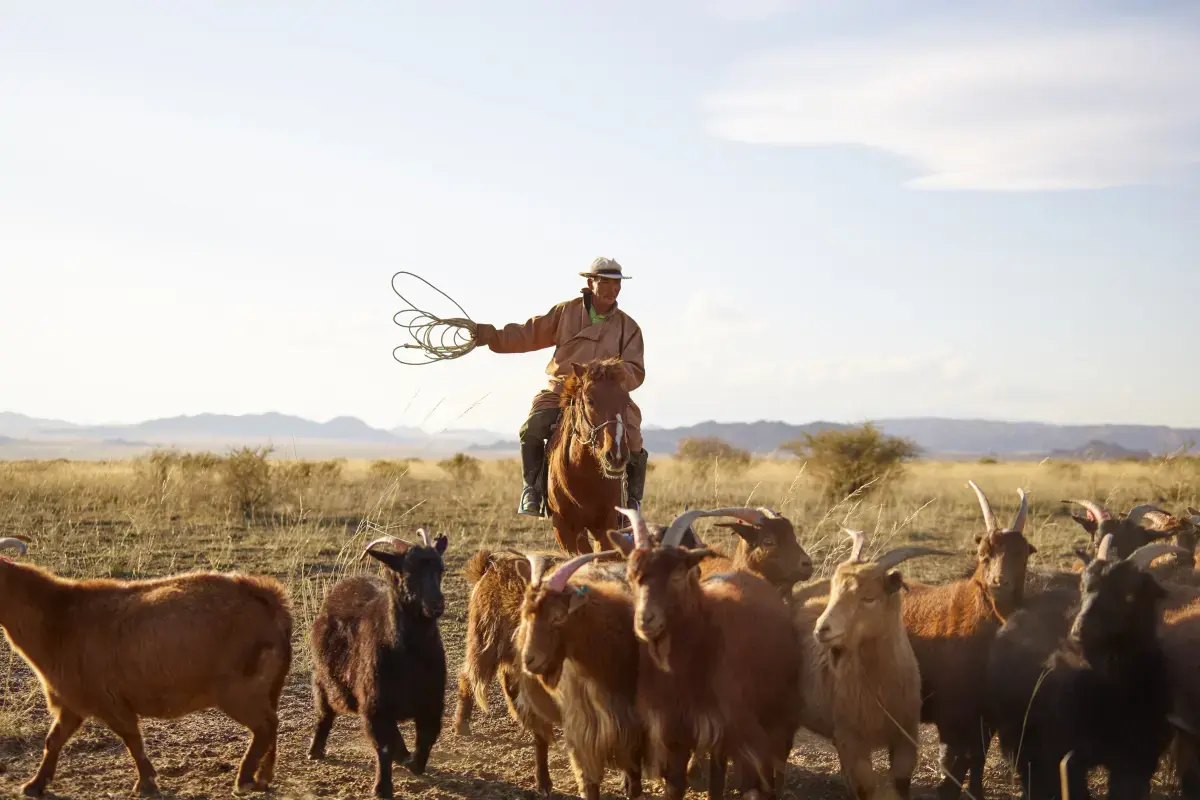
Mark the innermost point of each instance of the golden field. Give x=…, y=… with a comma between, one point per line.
x=142, y=518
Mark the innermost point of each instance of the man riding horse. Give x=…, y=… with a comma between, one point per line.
x=588, y=328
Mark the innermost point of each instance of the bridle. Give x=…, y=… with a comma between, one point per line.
x=588, y=433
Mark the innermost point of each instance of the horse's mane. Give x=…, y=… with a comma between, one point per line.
x=609, y=369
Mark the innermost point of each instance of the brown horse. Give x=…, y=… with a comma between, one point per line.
x=587, y=456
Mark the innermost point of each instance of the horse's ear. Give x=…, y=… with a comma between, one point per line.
x=580, y=369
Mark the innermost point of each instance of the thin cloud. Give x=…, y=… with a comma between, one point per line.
x=991, y=105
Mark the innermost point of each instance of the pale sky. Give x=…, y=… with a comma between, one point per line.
x=830, y=210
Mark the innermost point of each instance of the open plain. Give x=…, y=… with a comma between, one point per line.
x=307, y=523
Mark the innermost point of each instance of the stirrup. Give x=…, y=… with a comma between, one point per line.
x=531, y=503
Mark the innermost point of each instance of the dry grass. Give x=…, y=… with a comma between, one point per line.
x=139, y=518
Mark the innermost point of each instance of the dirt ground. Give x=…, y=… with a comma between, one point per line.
x=83, y=531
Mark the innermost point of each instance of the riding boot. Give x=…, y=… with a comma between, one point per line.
x=533, y=455
x=635, y=472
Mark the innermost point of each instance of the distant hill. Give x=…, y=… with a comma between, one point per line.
x=1097, y=450
x=937, y=437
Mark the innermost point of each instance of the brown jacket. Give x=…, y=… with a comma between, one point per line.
x=568, y=327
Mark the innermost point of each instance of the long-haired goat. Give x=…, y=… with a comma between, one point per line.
x=377, y=652
x=719, y=667
x=1084, y=673
x=950, y=627
x=862, y=684
x=160, y=648
x=577, y=639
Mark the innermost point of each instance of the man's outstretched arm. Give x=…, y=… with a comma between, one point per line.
x=534, y=334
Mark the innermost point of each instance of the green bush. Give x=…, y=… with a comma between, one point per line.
x=705, y=455
x=247, y=477
x=463, y=468
x=858, y=461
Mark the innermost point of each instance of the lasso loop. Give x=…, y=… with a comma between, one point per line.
x=436, y=338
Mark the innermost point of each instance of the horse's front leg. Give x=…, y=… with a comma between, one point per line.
x=570, y=536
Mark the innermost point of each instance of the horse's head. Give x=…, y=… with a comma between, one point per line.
x=597, y=400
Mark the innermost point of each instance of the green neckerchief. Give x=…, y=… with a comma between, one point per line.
x=596, y=318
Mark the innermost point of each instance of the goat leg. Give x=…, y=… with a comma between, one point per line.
x=382, y=732
x=675, y=775
x=956, y=764
x=429, y=727
x=717, y=763
x=902, y=760
x=325, y=716
x=633, y=783
x=465, y=707
x=541, y=759
x=130, y=733
x=64, y=727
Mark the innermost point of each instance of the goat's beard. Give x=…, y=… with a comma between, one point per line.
x=659, y=651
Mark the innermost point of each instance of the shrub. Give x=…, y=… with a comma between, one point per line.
x=857, y=461
x=988, y=460
x=462, y=467
x=247, y=477
x=390, y=468
x=705, y=455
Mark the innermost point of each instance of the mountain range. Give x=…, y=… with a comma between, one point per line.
x=23, y=436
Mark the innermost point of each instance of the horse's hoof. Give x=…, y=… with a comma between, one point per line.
x=33, y=789
x=146, y=788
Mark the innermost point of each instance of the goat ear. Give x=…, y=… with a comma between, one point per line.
x=440, y=543
x=747, y=532
x=978, y=538
x=578, y=600
x=623, y=542
x=393, y=561
x=578, y=368
x=1152, y=588
x=1087, y=523
x=1032, y=549
x=893, y=582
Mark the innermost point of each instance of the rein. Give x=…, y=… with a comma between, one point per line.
x=584, y=431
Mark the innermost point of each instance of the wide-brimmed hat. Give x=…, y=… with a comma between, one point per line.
x=606, y=268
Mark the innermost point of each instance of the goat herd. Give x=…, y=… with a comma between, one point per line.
x=668, y=655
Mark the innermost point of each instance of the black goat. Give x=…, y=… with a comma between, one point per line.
x=377, y=652
x=1084, y=673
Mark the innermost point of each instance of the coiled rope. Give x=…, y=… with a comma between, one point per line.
x=437, y=338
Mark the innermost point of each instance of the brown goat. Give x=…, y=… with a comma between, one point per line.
x=719, y=668
x=159, y=648
x=577, y=639
x=861, y=681
x=950, y=628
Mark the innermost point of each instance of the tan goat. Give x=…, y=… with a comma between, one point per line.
x=861, y=683
x=161, y=648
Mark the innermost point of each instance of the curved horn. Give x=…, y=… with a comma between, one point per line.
x=1018, y=523
x=424, y=536
x=859, y=542
x=641, y=531
x=13, y=544
x=989, y=519
x=537, y=568
x=1145, y=554
x=558, y=580
x=684, y=521
x=400, y=544
x=894, y=557
x=1103, y=550
x=1137, y=513
x=1099, y=512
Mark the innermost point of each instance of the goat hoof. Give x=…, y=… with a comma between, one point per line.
x=383, y=791
x=33, y=789
x=146, y=788
x=462, y=729
x=252, y=786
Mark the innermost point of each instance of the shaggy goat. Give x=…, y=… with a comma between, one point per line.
x=577, y=639
x=377, y=652
x=861, y=682
x=719, y=667
x=159, y=648
x=950, y=627
x=1084, y=673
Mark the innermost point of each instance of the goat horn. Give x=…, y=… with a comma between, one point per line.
x=13, y=544
x=1099, y=512
x=894, y=557
x=558, y=580
x=859, y=542
x=424, y=536
x=641, y=531
x=1018, y=523
x=684, y=521
x=1179, y=722
x=537, y=568
x=989, y=519
x=1105, y=546
x=1137, y=513
x=400, y=544
x=1146, y=554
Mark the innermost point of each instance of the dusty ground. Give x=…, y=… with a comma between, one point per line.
x=130, y=520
